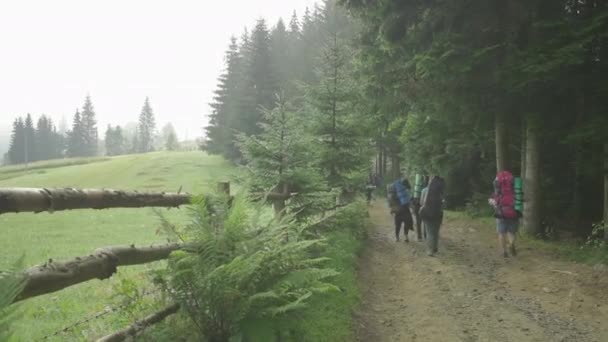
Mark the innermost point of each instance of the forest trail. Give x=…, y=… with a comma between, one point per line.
x=468, y=292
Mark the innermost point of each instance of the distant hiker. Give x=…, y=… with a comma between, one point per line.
x=431, y=211
x=419, y=185
x=399, y=201
x=369, y=189
x=507, y=218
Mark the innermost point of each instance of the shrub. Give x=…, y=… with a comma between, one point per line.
x=244, y=273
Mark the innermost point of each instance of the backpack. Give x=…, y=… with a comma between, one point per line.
x=393, y=198
x=504, y=195
x=432, y=208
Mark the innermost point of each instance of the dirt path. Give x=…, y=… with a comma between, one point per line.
x=470, y=293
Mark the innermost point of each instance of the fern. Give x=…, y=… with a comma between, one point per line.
x=246, y=265
x=11, y=284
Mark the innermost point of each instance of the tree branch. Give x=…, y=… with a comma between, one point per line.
x=46, y=199
x=102, y=264
x=140, y=325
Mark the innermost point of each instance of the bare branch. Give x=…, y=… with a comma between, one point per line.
x=47, y=199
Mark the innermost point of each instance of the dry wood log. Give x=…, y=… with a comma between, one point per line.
x=102, y=264
x=137, y=327
x=55, y=199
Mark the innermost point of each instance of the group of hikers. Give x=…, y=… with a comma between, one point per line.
x=425, y=202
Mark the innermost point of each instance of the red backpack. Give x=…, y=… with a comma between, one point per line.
x=504, y=195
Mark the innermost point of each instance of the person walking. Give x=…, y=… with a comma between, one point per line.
x=507, y=217
x=431, y=212
x=419, y=185
x=399, y=201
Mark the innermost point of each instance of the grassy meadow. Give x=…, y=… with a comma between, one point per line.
x=68, y=234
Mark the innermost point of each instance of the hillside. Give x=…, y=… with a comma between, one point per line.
x=72, y=233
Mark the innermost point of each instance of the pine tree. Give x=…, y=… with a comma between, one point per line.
x=261, y=77
x=16, y=152
x=45, y=139
x=30, y=139
x=279, y=158
x=169, y=137
x=114, y=141
x=343, y=155
x=89, y=128
x=76, y=140
x=280, y=57
x=146, y=128
x=223, y=118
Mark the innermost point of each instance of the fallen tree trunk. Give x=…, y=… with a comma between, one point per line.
x=102, y=264
x=48, y=199
x=137, y=327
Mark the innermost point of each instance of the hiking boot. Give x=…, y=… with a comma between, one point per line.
x=505, y=254
x=513, y=250
x=406, y=240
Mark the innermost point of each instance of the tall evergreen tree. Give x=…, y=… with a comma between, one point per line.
x=16, y=152
x=46, y=139
x=89, y=128
x=225, y=105
x=114, y=141
x=146, y=128
x=342, y=149
x=169, y=137
x=30, y=139
x=76, y=139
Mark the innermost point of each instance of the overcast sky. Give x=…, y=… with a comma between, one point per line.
x=55, y=52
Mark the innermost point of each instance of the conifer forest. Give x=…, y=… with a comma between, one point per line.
x=479, y=125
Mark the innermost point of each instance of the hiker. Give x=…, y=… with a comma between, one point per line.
x=431, y=211
x=507, y=217
x=399, y=201
x=420, y=184
x=369, y=189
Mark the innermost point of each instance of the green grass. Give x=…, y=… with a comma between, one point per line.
x=567, y=249
x=68, y=234
x=329, y=317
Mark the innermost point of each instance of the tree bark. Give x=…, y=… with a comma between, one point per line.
x=102, y=264
x=606, y=190
x=139, y=326
x=577, y=190
x=395, y=166
x=502, y=144
x=522, y=172
x=49, y=199
x=531, y=215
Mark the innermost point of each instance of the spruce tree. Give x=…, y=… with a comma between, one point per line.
x=146, y=128
x=343, y=154
x=224, y=115
x=76, y=140
x=279, y=158
x=169, y=137
x=89, y=128
x=30, y=139
x=45, y=139
x=16, y=152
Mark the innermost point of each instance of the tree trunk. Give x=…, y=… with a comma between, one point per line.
x=279, y=203
x=137, y=327
x=384, y=161
x=101, y=264
x=522, y=172
x=605, y=190
x=47, y=199
x=502, y=144
x=395, y=166
x=577, y=190
x=532, y=224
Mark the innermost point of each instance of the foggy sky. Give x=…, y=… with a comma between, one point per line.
x=55, y=52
